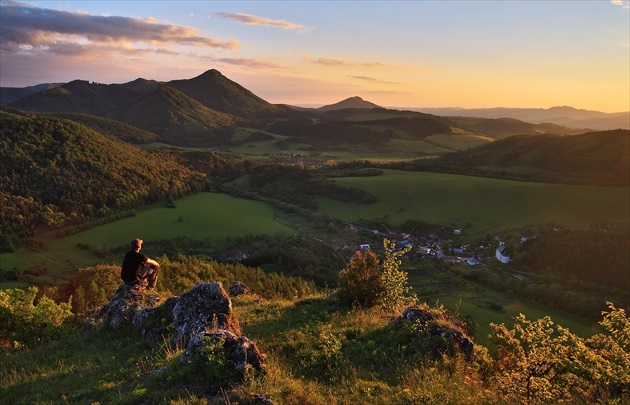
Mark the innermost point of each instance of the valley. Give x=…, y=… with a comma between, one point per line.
x=220, y=183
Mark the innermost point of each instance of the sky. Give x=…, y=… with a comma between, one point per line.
x=405, y=54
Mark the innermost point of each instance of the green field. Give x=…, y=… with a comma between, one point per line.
x=458, y=141
x=203, y=215
x=488, y=205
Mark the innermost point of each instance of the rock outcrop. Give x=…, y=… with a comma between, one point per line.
x=205, y=306
x=125, y=303
x=240, y=350
x=442, y=339
x=199, y=318
x=237, y=288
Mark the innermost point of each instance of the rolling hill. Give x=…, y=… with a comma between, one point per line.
x=206, y=110
x=601, y=158
x=561, y=115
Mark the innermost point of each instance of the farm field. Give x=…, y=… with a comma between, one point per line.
x=199, y=216
x=479, y=205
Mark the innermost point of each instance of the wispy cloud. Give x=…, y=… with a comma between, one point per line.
x=243, y=62
x=29, y=28
x=256, y=20
x=371, y=79
x=625, y=4
x=338, y=62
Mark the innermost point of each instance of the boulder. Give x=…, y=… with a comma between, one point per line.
x=125, y=302
x=153, y=323
x=415, y=315
x=239, y=350
x=205, y=306
x=456, y=342
x=237, y=288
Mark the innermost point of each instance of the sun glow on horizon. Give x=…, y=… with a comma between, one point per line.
x=410, y=54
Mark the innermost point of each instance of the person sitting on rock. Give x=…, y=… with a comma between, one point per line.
x=134, y=271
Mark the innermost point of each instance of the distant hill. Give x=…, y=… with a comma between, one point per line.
x=206, y=110
x=10, y=94
x=352, y=102
x=504, y=127
x=217, y=92
x=177, y=118
x=601, y=158
x=565, y=116
x=183, y=112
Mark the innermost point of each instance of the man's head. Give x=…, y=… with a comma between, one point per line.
x=136, y=244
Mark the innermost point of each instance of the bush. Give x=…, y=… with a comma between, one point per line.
x=24, y=321
x=361, y=282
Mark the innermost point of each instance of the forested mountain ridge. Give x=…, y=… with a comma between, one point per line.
x=177, y=118
x=601, y=158
x=206, y=111
x=55, y=173
x=182, y=112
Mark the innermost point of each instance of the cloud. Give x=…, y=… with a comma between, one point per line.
x=244, y=62
x=26, y=27
x=625, y=4
x=338, y=62
x=371, y=79
x=266, y=22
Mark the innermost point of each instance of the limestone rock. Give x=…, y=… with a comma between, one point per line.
x=237, y=288
x=153, y=322
x=239, y=350
x=415, y=315
x=125, y=302
x=205, y=306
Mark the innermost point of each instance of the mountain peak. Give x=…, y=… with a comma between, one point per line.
x=350, y=102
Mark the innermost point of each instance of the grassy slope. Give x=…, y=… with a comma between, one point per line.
x=489, y=205
x=206, y=214
x=316, y=355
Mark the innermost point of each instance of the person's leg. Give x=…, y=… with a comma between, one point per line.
x=151, y=275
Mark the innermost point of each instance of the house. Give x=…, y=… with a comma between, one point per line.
x=424, y=250
x=502, y=254
x=472, y=261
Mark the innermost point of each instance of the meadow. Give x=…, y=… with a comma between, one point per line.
x=203, y=215
x=479, y=205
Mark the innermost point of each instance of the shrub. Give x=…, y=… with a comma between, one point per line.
x=361, y=282
x=24, y=321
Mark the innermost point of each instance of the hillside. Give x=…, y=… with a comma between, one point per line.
x=217, y=92
x=57, y=173
x=10, y=94
x=80, y=96
x=299, y=346
x=601, y=158
x=177, y=118
x=109, y=127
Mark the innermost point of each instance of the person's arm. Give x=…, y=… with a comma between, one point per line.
x=152, y=262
